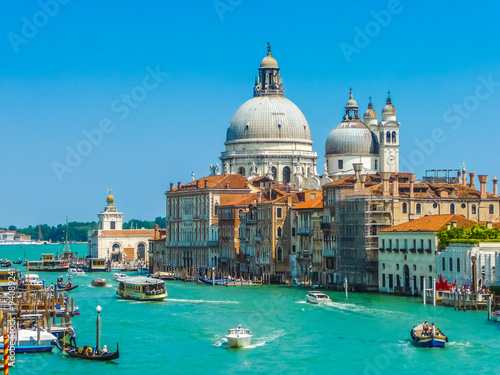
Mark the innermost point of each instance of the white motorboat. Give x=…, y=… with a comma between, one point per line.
x=77, y=272
x=29, y=337
x=239, y=337
x=119, y=276
x=32, y=280
x=317, y=297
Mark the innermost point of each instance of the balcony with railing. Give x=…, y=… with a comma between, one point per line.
x=304, y=231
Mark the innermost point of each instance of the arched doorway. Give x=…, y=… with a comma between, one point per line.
x=141, y=251
x=286, y=175
x=406, y=276
x=116, y=255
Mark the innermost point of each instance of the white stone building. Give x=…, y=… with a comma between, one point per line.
x=111, y=242
x=407, y=253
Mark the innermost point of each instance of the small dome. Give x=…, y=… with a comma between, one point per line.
x=351, y=138
x=370, y=112
x=389, y=108
x=269, y=62
x=351, y=103
x=110, y=199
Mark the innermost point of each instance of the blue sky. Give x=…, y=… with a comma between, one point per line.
x=143, y=92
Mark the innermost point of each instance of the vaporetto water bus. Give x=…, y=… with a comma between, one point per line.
x=48, y=264
x=142, y=288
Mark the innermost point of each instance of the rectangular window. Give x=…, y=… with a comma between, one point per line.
x=414, y=267
x=293, y=232
x=430, y=282
x=112, y=225
x=390, y=282
x=293, y=249
x=376, y=166
x=406, y=243
x=430, y=267
x=458, y=264
x=383, y=266
x=397, y=266
x=451, y=264
x=279, y=212
x=341, y=164
x=430, y=244
x=383, y=280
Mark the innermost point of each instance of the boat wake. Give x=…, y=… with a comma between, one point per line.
x=198, y=301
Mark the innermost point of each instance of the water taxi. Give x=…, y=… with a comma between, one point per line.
x=239, y=337
x=317, y=297
x=48, y=264
x=99, y=282
x=163, y=275
x=427, y=339
x=77, y=272
x=95, y=265
x=142, y=288
x=32, y=280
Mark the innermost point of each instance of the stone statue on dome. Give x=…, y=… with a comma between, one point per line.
x=299, y=169
x=253, y=168
x=325, y=169
x=192, y=176
x=217, y=169
x=226, y=168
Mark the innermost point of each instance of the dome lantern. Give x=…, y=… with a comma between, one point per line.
x=351, y=108
x=389, y=109
x=269, y=81
x=370, y=113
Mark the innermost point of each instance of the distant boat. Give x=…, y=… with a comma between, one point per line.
x=48, y=264
x=142, y=288
x=17, y=261
x=77, y=272
x=239, y=337
x=87, y=352
x=99, y=282
x=427, y=340
x=7, y=263
x=316, y=297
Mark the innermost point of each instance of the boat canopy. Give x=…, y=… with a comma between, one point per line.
x=141, y=280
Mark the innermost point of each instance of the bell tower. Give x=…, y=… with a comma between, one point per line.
x=389, y=138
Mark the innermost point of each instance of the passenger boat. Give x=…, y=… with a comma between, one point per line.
x=239, y=337
x=119, y=276
x=317, y=297
x=95, y=265
x=48, y=264
x=163, y=275
x=142, y=288
x=87, y=352
x=99, y=282
x=427, y=340
x=62, y=287
x=8, y=277
x=32, y=280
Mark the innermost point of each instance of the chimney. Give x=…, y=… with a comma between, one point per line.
x=412, y=185
x=362, y=180
x=454, y=224
x=495, y=191
x=489, y=225
x=156, y=232
x=260, y=196
x=179, y=186
x=205, y=183
x=385, y=182
x=448, y=226
x=482, y=181
x=471, y=178
x=171, y=186
x=357, y=172
x=227, y=184
x=464, y=177
x=459, y=177
x=395, y=187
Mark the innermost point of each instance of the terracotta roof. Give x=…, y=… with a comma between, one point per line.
x=129, y=232
x=312, y=203
x=160, y=235
x=431, y=223
x=245, y=200
x=236, y=181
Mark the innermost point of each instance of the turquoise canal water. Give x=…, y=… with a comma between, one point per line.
x=363, y=334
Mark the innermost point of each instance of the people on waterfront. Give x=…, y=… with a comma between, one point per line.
x=72, y=340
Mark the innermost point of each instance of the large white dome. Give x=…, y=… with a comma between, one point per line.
x=268, y=118
x=351, y=138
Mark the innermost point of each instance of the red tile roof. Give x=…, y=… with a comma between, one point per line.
x=232, y=181
x=310, y=204
x=431, y=223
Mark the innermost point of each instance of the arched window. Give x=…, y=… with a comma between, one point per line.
x=279, y=232
x=451, y=264
x=444, y=265
x=286, y=175
x=473, y=209
x=388, y=137
x=404, y=208
x=418, y=208
x=280, y=254
x=492, y=209
x=273, y=169
x=141, y=251
x=452, y=208
x=393, y=137
x=242, y=171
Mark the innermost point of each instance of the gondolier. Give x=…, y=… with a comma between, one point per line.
x=72, y=340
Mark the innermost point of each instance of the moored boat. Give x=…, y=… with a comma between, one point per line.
x=7, y=263
x=87, y=352
x=17, y=261
x=142, y=288
x=316, y=297
x=427, y=339
x=239, y=337
x=32, y=281
x=163, y=275
x=77, y=272
x=8, y=278
x=99, y=282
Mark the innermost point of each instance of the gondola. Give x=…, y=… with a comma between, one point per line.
x=7, y=263
x=66, y=288
x=17, y=261
x=76, y=352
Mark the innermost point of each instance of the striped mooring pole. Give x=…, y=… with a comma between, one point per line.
x=5, y=353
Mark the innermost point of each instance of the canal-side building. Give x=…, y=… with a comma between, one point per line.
x=408, y=253
x=112, y=242
x=192, y=231
x=157, y=251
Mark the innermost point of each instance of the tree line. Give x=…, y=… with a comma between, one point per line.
x=78, y=231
